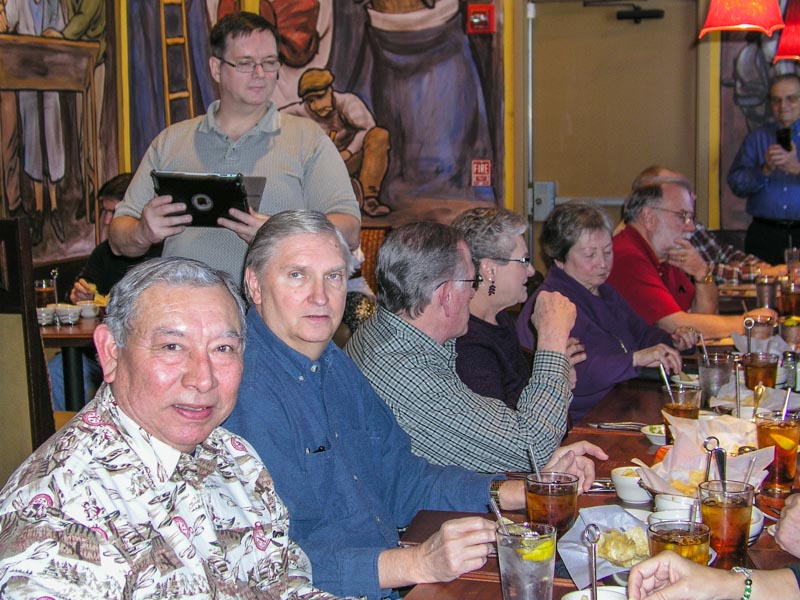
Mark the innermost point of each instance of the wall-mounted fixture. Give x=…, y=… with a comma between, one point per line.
x=789, y=44
x=637, y=14
x=743, y=15
x=480, y=18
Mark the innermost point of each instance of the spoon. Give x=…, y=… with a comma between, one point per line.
x=591, y=535
x=758, y=393
x=721, y=456
x=711, y=443
x=749, y=322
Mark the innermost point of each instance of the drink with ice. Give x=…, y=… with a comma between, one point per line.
x=527, y=561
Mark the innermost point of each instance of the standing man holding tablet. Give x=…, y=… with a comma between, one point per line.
x=242, y=132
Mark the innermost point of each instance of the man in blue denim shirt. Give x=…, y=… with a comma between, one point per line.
x=768, y=175
x=339, y=459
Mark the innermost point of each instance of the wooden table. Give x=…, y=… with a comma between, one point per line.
x=634, y=400
x=71, y=339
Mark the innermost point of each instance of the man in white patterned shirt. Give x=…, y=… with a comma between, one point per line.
x=407, y=351
x=142, y=495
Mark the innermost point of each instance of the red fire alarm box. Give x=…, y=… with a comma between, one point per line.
x=481, y=173
x=480, y=18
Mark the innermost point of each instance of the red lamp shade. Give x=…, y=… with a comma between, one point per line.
x=743, y=15
x=789, y=44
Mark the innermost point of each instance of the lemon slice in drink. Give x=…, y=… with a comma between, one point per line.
x=543, y=551
x=784, y=442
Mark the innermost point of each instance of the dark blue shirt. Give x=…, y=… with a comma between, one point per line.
x=775, y=196
x=340, y=461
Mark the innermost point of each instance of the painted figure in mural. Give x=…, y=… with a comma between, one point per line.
x=768, y=175
x=345, y=118
x=9, y=147
x=242, y=132
x=86, y=21
x=421, y=58
x=143, y=494
x=45, y=166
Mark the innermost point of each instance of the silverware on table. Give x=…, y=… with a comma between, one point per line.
x=618, y=426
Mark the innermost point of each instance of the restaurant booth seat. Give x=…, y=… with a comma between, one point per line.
x=26, y=414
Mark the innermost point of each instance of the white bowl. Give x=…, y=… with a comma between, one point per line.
x=655, y=433
x=672, y=502
x=604, y=592
x=627, y=486
x=68, y=313
x=756, y=525
x=88, y=309
x=673, y=514
x=45, y=315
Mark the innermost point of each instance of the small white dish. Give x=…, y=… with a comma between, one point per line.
x=672, y=502
x=45, y=315
x=771, y=529
x=604, y=592
x=627, y=486
x=756, y=525
x=655, y=433
x=689, y=380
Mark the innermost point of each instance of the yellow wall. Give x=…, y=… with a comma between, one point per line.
x=15, y=441
x=611, y=97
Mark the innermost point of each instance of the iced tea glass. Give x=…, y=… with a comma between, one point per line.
x=552, y=498
x=726, y=508
x=679, y=401
x=760, y=367
x=527, y=556
x=44, y=292
x=690, y=540
x=790, y=299
x=783, y=433
x=792, y=259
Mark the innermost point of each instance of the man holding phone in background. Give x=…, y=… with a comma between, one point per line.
x=766, y=171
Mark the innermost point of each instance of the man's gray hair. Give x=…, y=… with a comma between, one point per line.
x=123, y=310
x=412, y=262
x=490, y=232
x=647, y=190
x=286, y=224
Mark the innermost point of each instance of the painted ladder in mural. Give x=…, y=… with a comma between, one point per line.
x=175, y=61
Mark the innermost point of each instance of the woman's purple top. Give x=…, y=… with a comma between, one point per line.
x=607, y=327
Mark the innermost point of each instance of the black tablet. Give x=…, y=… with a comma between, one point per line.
x=207, y=196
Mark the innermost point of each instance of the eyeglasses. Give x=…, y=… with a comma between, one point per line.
x=684, y=215
x=524, y=260
x=791, y=99
x=475, y=282
x=248, y=65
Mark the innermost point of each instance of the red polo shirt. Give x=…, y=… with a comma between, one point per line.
x=654, y=290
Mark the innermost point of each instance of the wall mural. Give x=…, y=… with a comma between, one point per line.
x=413, y=104
x=51, y=49
x=746, y=62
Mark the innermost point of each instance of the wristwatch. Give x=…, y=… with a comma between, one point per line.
x=494, y=490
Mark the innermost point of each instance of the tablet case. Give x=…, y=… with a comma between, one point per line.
x=207, y=196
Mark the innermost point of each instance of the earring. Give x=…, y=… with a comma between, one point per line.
x=492, y=287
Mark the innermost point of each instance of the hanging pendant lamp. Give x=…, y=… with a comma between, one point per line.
x=743, y=15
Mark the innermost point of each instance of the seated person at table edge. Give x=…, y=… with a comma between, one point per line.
x=426, y=280
x=242, y=132
x=576, y=240
x=142, y=495
x=668, y=576
x=654, y=265
x=102, y=270
x=728, y=264
x=338, y=457
x=488, y=356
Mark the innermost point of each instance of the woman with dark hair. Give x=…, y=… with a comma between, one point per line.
x=576, y=239
x=490, y=360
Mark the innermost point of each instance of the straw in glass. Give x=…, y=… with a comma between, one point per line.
x=532, y=458
x=496, y=511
